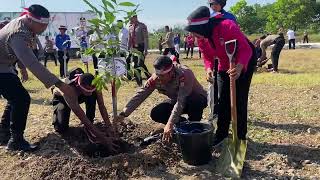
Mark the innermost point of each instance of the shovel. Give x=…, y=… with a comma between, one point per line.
x=65, y=68
x=231, y=160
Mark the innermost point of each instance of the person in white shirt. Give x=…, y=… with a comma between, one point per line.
x=93, y=38
x=123, y=37
x=292, y=39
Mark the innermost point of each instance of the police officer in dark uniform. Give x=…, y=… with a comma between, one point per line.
x=15, y=44
x=186, y=95
x=82, y=84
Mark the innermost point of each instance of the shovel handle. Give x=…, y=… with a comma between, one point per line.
x=233, y=100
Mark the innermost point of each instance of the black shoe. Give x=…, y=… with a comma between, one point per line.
x=20, y=145
x=4, y=135
x=60, y=129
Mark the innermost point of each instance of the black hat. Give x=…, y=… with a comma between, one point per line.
x=198, y=20
x=221, y=2
x=63, y=27
x=163, y=64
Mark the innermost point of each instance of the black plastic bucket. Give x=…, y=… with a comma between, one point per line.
x=194, y=139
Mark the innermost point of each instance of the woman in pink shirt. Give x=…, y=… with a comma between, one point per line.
x=190, y=44
x=211, y=34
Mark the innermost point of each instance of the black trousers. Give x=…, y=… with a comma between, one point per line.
x=17, y=108
x=61, y=62
x=292, y=44
x=46, y=57
x=95, y=61
x=173, y=52
x=242, y=92
x=275, y=53
x=195, y=104
x=6, y=116
x=188, y=50
x=305, y=39
x=61, y=112
x=138, y=63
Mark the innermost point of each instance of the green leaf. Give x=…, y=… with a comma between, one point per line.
x=105, y=86
x=109, y=17
x=114, y=1
x=95, y=21
x=128, y=4
x=141, y=69
x=130, y=73
x=93, y=8
x=137, y=73
x=89, y=51
x=106, y=3
x=118, y=83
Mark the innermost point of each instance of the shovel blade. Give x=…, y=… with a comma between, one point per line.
x=231, y=160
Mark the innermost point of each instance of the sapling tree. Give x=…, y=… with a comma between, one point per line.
x=106, y=28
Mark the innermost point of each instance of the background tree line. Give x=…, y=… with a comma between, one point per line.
x=257, y=19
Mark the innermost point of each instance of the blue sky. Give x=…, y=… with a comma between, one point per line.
x=156, y=13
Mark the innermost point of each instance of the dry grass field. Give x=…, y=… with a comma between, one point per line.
x=284, y=132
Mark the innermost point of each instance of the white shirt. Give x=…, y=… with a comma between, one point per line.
x=124, y=38
x=290, y=34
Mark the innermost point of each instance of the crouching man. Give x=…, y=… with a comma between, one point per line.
x=186, y=95
x=82, y=84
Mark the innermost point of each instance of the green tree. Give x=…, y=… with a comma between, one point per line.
x=295, y=14
x=247, y=17
x=105, y=24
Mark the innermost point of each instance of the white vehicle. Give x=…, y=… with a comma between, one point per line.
x=72, y=20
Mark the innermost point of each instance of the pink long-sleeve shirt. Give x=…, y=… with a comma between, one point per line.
x=225, y=31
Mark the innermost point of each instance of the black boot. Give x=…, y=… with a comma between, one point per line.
x=4, y=135
x=18, y=143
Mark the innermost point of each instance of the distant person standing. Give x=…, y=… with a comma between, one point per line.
x=305, y=37
x=190, y=45
x=185, y=42
x=177, y=41
x=63, y=43
x=123, y=36
x=292, y=39
x=169, y=44
x=139, y=39
x=217, y=7
x=49, y=51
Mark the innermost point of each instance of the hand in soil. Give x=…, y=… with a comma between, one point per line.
x=167, y=132
x=116, y=122
x=112, y=132
x=98, y=137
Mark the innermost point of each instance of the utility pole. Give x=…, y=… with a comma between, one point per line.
x=23, y=4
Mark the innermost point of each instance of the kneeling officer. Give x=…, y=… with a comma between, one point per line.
x=82, y=84
x=186, y=95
